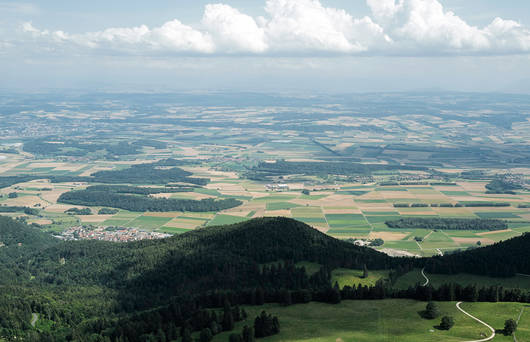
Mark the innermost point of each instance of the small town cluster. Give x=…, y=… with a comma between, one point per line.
x=114, y=234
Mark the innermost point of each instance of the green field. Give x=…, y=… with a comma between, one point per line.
x=226, y=219
x=392, y=320
x=149, y=222
x=344, y=277
x=413, y=277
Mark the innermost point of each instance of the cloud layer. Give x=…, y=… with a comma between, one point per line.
x=307, y=27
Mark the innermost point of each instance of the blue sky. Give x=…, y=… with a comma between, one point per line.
x=272, y=45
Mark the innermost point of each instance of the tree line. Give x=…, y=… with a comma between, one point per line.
x=143, y=203
x=446, y=223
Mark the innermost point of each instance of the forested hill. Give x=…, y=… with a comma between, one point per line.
x=503, y=259
x=16, y=234
x=125, y=290
x=224, y=257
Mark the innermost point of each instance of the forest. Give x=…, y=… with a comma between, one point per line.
x=94, y=197
x=55, y=146
x=500, y=186
x=164, y=289
x=282, y=167
x=162, y=172
x=447, y=223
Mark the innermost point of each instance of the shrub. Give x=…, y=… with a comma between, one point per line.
x=447, y=322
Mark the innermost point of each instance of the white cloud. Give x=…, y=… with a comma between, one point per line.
x=232, y=30
x=307, y=27
x=423, y=24
x=508, y=35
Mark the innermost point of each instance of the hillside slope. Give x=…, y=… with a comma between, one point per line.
x=223, y=257
x=503, y=259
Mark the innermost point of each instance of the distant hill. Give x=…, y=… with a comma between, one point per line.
x=222, y=257
x=502, y=259
x=14, y=233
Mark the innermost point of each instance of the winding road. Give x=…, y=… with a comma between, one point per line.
x=424, y=276
x=459, y=308
x=478, y=320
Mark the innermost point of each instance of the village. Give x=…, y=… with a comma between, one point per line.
x=113, y=234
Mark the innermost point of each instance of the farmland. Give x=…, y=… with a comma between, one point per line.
x=342, y=170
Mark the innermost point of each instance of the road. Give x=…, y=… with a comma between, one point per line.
x=478, y=320
x=424, y=276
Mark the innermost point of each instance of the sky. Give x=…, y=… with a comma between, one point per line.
x=301, y=46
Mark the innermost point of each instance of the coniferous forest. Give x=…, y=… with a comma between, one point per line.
x=102, y=291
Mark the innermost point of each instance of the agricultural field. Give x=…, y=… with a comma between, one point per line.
x=342, y=171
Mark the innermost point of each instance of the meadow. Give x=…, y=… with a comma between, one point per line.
x=384, y=320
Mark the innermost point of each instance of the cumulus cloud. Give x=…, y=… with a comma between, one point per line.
x=232, y=30
x=308, y=27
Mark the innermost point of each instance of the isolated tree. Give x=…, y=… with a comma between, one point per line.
x=447, y=322
x=365, y=271
x=510, y=326
x=432, y=310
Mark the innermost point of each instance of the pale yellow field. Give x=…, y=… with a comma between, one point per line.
x=164, y=214
x=240, y=213
x=495, y=232
x=473, y=186
x=60, y=208
x=41, y=221
x=93, y=218
x=274, y=213
x=396, y=194
x=25, y=201
x=483, y=241
x=387, y=236
x=341, y=211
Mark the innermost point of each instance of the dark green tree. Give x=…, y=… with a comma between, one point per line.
x=447, y=322
x=510, y=326
x=432, y=311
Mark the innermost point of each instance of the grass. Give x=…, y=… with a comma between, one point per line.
x=172, y=230
x=414, y=276
x=344, y=276
x=455, y=193
x=226, y=219
x=310, y=267
x=496, y=215
x=149, y=222
x=311, y=219
x=395, y=320
x=281, y=205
